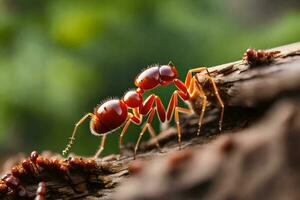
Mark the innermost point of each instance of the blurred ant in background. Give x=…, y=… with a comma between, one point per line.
x=257, y=57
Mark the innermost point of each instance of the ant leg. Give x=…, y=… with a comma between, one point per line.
x=139, y=139
x=182, y=110
x=101, y=147
x=173, y=105
x=123, y=133
x=218, y=99
x=153, y=135
x=132, y=118
x=182, y=92
x=189, y=75
x=149, y=120
x=204, y=103
x=160, y=109
x=72, y=138
x=197, y=91
x=147, y=105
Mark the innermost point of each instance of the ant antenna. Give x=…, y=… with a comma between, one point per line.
x=72, y=138
x=171, y=63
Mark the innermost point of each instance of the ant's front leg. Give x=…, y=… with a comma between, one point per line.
x=173, y=105
x=189, y=75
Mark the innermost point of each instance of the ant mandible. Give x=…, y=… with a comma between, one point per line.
x=113, y=114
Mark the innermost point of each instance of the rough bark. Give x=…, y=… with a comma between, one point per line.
x=254, y=157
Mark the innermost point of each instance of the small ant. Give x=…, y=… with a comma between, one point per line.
x=11, y=181
x=14, y=185
x=35, y=167
x=3, y=187
x=257, y=57
x=113, y=114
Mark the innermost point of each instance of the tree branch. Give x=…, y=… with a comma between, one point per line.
x=240, y=163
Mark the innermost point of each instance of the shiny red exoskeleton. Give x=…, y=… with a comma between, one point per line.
x=115, y=113
x=11, y=183
x=257, y=57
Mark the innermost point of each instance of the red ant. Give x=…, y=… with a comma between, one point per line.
x=257, y=57
x=3, y=187
x=113, y=114
x=13, y=184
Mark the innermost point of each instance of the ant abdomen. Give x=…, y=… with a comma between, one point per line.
x=109, y=116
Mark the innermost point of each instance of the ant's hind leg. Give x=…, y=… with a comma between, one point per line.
x=101, y=147
x=72, y=138
x=123, y=133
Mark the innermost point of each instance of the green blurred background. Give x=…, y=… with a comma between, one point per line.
x=59, y=59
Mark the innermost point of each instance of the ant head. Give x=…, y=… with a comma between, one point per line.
x=167, y=73
x=33, y=156
x=133, y=99
x=250, y=52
